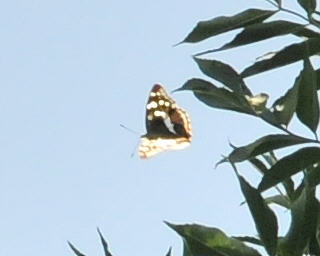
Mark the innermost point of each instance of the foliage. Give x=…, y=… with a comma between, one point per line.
x=301, y=100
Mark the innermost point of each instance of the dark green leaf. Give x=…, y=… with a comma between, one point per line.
x=308, y=104
x=306, y=33
x=264, y=218
x=186, y=250
x=313, y=175
x=249, y=239
x=284, y=107
x=263, y=145
x=259, y=165
x=314, y=247
x=308, y=5
x=169, y=252
x=262, y=31
x=104, y=244
x=75, y=250
x=303, y=223
x=202, y=240
x=290, y=165
x=222, y=24
x=216, y=97
x=279, y=200
x=318, y=78
x=288, y=55
x=223, y=73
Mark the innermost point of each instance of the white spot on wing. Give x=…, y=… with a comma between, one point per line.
x=151, y=105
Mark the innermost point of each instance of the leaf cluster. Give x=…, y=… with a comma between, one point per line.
x=301, y=99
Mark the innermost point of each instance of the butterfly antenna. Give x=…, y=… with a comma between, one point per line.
x=128, y=129
x=134, y=149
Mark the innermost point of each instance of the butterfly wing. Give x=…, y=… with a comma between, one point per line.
x=168, y=126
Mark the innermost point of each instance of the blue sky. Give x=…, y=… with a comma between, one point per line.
x=71, y=73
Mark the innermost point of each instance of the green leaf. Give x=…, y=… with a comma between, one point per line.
x=258, y=164
x=304, y=215
x=288, y=55
x=313, y=175
x=169, y=252
x=75, y=250
x=306, y=33
x=249, y=239
x=279, y=200
x=318, y=78
x=202, y=240
x=284, y=107
x=308, y=104
x=216, y=97
x=223, y=73
x=263, y=145
x=262, y=31
x=289, y=165
x=104, y=244
x=222, y=24
x=308, y=5
x=264, y=218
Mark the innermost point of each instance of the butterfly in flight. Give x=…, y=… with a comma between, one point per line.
x=168, y=126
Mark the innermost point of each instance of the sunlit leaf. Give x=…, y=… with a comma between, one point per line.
x=216, y=97
x=249, y=239
x=284, y=107
x=223, y=73
x=263, y=145
x=222, y=24
x=308, y=103
x=202, y=240
x=289, y=165
x=288, y=55
x=264, y=218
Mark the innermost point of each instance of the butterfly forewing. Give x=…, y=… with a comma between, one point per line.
x=168, y=126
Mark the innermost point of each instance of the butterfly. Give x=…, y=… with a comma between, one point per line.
x=168, y=126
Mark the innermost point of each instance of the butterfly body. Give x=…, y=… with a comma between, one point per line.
x=168, y=126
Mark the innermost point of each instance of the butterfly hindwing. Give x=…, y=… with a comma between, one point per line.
x=168, y=126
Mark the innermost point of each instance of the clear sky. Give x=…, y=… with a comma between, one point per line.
x=70, y=73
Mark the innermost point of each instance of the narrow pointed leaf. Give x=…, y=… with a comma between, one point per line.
x=169, y=252
x=75, y=250
x=263, y=145
x=308, y=103
x=222, y=24
x=249, y=239
x=289, y=165
x=104, y=244
x=308, y=5
x=216, y=97
x=279, y=200
x=285, y=106
x=288, y=55
x=202, y=240
x=223, y=73
x=262, y=31
x=303, y=223
x=264, y=218
x=258, y=164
